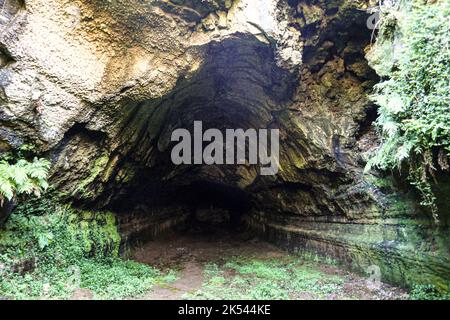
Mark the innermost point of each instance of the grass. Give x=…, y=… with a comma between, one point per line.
x=427, y=292
x=50, y=251
x=114, y=279
x=267, y=279
x=290, y=278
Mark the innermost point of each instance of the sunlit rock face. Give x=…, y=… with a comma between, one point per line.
x=10, y=8
x=100, y=86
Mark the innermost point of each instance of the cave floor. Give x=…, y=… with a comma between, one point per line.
x=221, y=264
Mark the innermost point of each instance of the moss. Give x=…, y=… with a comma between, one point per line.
x=407, y=253
x=381, y=57
x=286, y=277
x=379, y=182
x=99, y=166
x=312, y=14
x=125, y=174
x=44, y=242
x=298, y=161
x=89, y=234
x=410, y=53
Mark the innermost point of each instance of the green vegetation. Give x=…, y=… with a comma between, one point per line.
x=414, y=114
x=51, y=251
x=292, y=278
x=20, y=176
x=427, y=292
x=98, y=167
x=281, y=279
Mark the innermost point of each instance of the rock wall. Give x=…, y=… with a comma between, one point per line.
x=99, y=86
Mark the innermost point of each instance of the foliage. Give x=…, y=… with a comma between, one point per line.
x=414, y=114
x=427, y=292
x=20, y=176
x=97, y=168
x=23, y=177
x=267, y=279
x=49, y=251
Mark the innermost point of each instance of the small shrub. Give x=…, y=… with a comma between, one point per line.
x=427, y=292
x=414, y=99
x=50, y=250
x=23, y=177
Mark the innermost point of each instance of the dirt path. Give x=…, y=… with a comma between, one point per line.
x=190, y=254
x=190, y=279
x=177, y=249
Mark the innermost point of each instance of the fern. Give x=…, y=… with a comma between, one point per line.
x=23, y=177
x=414, y=112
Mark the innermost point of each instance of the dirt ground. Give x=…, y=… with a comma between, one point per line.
x=188, y=253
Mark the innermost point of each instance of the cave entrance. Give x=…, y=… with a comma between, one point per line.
x=198, y=208
x=214, y=206
x=238, y=86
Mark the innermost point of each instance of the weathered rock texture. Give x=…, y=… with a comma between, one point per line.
x=99, y=86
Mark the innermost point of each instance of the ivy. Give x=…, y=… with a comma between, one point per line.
x=49, y=250
x=414, y=114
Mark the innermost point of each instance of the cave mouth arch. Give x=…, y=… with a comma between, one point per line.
x=238, y=86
